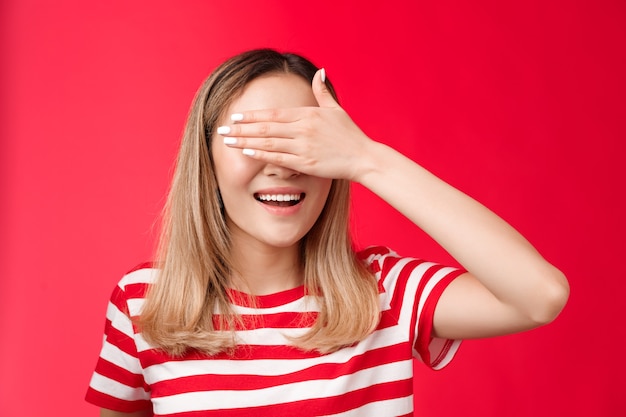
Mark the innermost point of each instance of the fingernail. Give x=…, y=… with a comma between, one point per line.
x=229, y=141
x=323, y=75
x=223, y=130
x=248, y=152
x=236, y=117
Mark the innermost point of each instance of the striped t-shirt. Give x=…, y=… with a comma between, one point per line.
x=266, y=376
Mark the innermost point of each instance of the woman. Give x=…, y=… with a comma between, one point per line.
x=259, y=305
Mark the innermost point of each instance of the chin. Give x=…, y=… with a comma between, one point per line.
x=283, y=243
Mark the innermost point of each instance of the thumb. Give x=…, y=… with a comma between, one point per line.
x=320, y=90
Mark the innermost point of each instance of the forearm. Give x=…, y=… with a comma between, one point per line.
x=490, y=249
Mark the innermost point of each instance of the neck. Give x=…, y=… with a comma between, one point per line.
x=262, y=269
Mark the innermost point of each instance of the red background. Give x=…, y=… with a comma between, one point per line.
x=519, y=105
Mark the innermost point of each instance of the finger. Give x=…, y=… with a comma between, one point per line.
x=320, y=90
x=284, y=115
x=257, y=130
x=275, y=158
x=262, y=144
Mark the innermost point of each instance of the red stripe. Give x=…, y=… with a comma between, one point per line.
x=388, y=263
x=121, y=375
x=144, y=265
x=390, y=317
x=241, y=352
x=118, y=299
x=387, y=320
x=288, y=320
x=136, y=290
x=122, y=341
x=266, y=301
x=373, y=250
x=374, y=266
x=418, y=295
x=323, y=371
x=400, y=287
x=109, y=402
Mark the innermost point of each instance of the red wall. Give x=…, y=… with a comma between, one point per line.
x=520, y=105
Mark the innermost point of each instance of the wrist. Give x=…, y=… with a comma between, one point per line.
x=368, y=161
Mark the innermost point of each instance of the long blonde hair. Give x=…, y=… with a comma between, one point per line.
x=194, y=246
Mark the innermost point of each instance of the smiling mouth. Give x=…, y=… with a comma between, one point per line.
x=280, y=200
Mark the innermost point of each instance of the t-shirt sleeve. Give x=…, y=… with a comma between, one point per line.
x=412, y=288
x=434, y=352
x=118, y=383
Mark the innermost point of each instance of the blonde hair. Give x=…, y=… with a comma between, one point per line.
x=194, y=246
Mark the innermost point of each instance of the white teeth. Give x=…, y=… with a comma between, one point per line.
x=279, y=197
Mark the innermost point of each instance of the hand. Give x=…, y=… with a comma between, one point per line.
x=320, y=141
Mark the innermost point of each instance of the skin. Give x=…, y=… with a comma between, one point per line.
x=509, y=286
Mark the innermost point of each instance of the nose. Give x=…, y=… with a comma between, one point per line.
x=279, y=172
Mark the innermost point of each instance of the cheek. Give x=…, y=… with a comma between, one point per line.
x=324, y=187
x=232, y=169
x=323, y=191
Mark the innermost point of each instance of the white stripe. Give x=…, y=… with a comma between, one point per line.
x=207, y=400
x=438, y=276
x=119, y=320
x=268, y=336
x=135, y=306
x=140, y=276
x=415, y=277
x=120, y=358
x=410, y=291
x=260, y=337
x=391, y=280
x=305, y=304
x=111, y=387
x=141, y=343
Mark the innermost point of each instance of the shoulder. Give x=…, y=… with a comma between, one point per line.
x=134, y=284
x=380, y=260
x=128, y=295
x=389, y=266
x=374, y=256
x=142, y=274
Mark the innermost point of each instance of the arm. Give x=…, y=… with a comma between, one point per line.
x=509, y=287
